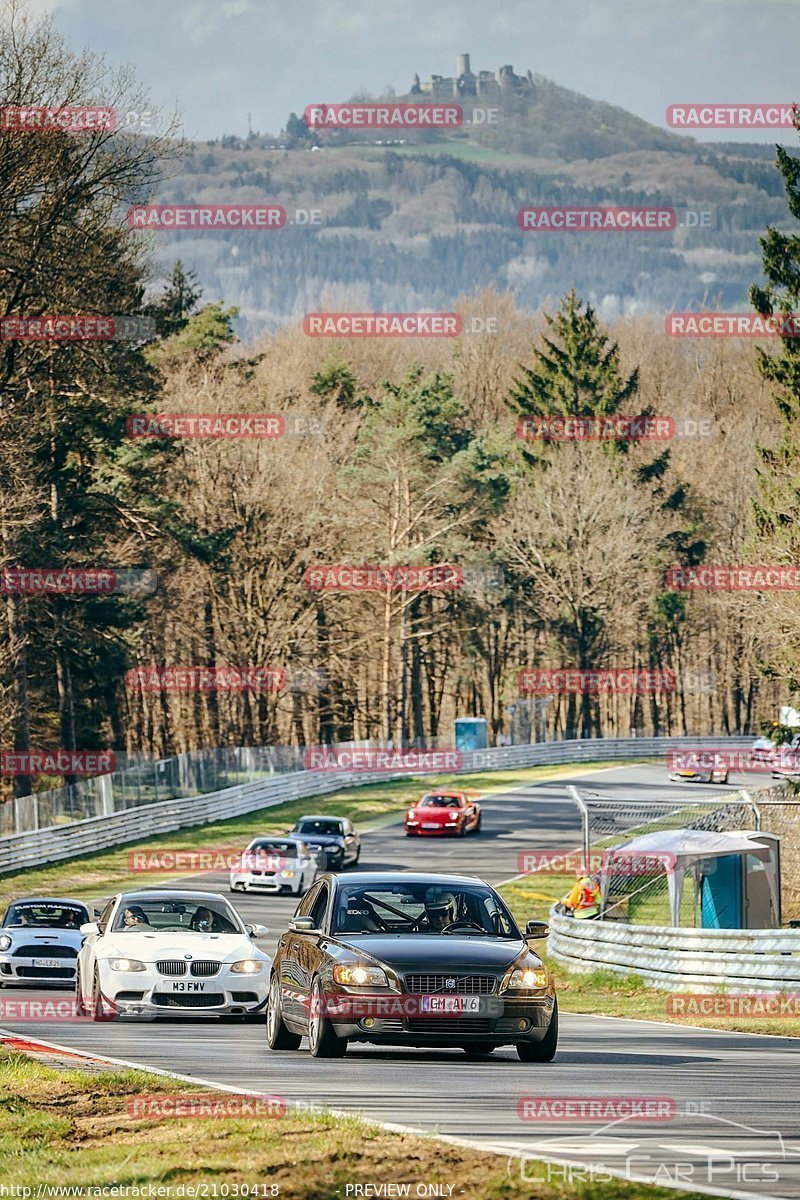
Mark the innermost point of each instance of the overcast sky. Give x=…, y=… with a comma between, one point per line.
x=218, y=60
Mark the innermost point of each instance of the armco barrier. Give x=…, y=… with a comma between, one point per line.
x=77, y=838
x=698, y=960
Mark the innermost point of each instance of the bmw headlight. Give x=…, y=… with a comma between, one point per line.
x=5, y=942
x=529, y=978
x=126, y=964
x=359, y=976
x=287, y=874
x=247, y=966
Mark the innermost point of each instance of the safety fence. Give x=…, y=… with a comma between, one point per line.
x=118, y=819
x=677, y=959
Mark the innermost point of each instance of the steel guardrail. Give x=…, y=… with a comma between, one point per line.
x=79, y=838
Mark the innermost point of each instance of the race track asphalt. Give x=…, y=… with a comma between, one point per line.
x=736, y=1128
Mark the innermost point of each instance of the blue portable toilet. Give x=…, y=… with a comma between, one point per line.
x=471, y=733
x=721, y=892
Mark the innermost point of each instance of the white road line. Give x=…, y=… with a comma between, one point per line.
x=496, y=1148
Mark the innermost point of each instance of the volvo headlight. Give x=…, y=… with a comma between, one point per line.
x=530, y=978
x=126, y=964
x=360, y=976
x=5, y=942
x=247, y=966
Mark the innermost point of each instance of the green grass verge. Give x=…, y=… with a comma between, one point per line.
x=98, y=874
x=72, y=1128
x=605, y=994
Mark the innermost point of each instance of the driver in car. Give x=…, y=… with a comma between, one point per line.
x=134, y=916
x=440, y=909
x=204, y=921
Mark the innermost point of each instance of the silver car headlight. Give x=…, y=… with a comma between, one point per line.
x=126, y=964
x=247, y=966
x=287, y=874
x=527, y=978
x=5, y=942
x=360, y=976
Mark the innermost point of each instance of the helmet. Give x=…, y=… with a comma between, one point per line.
x=440, y=908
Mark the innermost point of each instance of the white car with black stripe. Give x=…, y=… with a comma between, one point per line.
x=162, y=951
x=40, y=938
x=278, y=865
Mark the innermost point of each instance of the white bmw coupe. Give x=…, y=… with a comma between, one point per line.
x=170, y=952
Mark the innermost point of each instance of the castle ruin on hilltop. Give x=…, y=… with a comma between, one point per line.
x=466, y=83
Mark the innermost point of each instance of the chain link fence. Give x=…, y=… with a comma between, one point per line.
x=637, y=890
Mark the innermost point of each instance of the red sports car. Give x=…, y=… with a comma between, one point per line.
x=442, y=813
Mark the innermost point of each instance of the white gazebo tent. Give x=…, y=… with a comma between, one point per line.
x=681, y=849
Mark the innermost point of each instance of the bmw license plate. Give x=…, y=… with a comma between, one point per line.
x=186, y=985
x=47, y=962
x=430, y=825
x=450, y=1004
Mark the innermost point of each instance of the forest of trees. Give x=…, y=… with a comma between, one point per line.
x=395, y=452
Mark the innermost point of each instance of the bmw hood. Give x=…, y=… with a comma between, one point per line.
x=429, y=953
x=148, y=947
x=324, y=840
